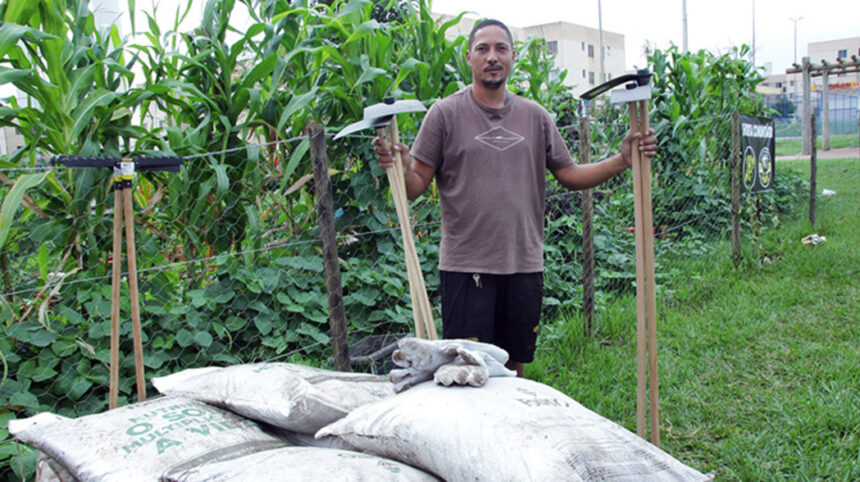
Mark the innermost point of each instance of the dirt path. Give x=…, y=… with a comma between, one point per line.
x=843, y=153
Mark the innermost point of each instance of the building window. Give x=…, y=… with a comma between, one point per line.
x=591, y=78
x=552, y=47
x=608, y=50
x=583, y=46
x=608, y=76
x=583, y=73
x=843, y=54
x=590, y=51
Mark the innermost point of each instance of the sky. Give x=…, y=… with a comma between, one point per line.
x=711, y=25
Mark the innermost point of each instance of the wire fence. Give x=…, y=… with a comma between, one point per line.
x=224, y=283
x=843, y=110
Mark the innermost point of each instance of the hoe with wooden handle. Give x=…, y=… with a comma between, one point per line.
x=636, y=94
x=383, y=117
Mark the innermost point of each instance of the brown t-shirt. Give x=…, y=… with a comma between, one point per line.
x=491, y=173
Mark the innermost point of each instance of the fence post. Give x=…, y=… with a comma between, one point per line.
x=325, y=216
x=807, y=106
x=736, y=187
x=587, y=229
x=813, y=171
x=825, y=111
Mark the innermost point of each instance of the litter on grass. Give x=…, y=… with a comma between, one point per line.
x=813, y=240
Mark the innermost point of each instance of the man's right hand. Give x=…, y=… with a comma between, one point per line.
x=385, y=154
x=416, y=175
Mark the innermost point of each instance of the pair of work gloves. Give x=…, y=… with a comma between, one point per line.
x=448, y=362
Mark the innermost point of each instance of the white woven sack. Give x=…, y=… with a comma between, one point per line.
x=303, y=464
x=138, y=442
x=295, y=397
x=49, y=470
x=511, y=429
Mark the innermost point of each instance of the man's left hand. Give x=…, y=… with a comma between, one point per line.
x=647, y=145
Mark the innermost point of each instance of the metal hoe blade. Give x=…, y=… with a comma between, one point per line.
x=380, y=115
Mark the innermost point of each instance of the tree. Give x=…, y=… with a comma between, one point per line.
x=785, y=108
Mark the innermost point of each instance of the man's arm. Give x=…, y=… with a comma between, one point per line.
x=585, y=176
x=416, y=174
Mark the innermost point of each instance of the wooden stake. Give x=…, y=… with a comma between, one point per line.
x=133, y=294
x=736, y=188
x=113, y=399
x=328, y=238
x=587, y=230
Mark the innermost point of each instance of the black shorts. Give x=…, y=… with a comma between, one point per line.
x=500, y=309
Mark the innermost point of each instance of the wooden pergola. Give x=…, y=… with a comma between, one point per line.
x=840, y=66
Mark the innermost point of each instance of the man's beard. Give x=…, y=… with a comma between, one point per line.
x=493, y=84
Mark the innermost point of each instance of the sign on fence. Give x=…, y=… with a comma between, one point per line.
x=758, y=145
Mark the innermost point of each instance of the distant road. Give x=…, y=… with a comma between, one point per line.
x=843, y=153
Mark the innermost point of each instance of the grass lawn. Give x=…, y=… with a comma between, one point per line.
x=759, y=366
x=788, y=147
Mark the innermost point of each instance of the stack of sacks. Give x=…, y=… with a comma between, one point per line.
x=510, y=429
x=187, y=435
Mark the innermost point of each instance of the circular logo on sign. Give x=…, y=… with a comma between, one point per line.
x=749, y=167
x=764, y=167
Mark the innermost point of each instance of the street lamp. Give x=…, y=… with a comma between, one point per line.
x=753, y=39
x=795, y=20
x=684, y=24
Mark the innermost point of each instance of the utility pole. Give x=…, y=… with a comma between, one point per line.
x=795, y=20
x=600, y=28
x=684, y=25
x=753, y=39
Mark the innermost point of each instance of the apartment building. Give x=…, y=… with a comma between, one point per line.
x=830, y=51
x=576, y=49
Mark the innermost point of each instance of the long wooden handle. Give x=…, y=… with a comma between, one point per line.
x=423, y=302
x=650, y=286
x=646, y=313
x=113, y=398
x=421, y=311
x=133, y=296
x=641, y=308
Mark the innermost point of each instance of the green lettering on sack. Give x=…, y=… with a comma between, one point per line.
x=202, y=430
x=130, y=448
x=139, y=429
x=165, y=444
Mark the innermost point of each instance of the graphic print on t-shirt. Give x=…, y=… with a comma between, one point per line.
x=499, y=138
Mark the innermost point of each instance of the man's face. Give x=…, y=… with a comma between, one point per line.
x=491, y=56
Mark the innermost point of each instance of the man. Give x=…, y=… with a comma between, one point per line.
x=488, y=150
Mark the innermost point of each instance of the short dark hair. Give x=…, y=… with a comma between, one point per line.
x=486, y=23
